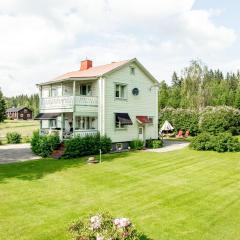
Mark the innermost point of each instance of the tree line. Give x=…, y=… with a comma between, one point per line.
x=197, y=87
x=31, y=101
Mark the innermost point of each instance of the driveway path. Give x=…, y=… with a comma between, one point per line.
x=10, y=153
x=170, y=146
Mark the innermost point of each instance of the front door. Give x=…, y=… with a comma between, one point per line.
x=140, y=133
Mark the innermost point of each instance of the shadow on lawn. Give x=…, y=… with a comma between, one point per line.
x=33, y=170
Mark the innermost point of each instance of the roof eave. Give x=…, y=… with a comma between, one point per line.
x=68, y=79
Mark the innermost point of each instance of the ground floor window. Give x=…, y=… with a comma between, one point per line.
x=84, y=123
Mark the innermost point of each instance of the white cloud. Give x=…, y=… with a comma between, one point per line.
x=41, y=39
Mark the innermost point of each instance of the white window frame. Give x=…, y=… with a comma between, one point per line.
x=88, y=89
x=122, y=88
x=132, y=70
x=118, y=125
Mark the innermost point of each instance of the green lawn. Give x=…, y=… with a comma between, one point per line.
x=178, y=195
x=25, y=128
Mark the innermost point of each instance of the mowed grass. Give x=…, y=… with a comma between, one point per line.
x=177, y=195
x=25, y=128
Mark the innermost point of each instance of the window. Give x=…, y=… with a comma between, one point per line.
x=53, y=123
x=56, y=91
x=85, y=123
x=119, y=146
x=118, y=124
x=25, y=110
x=120, y=91
x=28, y=115
x=21, y=115
x=45, y=92
x=85, y=89
x=132, y=70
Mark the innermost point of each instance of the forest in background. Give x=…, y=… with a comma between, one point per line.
x=31, y=102
x=198, y=87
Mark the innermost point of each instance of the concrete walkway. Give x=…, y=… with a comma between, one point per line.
x=10, y=153
x=170, y=146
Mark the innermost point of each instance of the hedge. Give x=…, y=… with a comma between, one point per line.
x=220, y=119
x=88, y=145
x=223, y=142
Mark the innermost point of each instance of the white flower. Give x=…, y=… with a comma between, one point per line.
x=100, y=237
x=122, y=222
x=96, y=221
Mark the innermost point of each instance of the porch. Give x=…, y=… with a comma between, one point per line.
x=67, y=125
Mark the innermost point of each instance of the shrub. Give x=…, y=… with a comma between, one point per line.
x=154, y=143
x=136, y=144
x=88, y=145
x=13, y=137
x=103, y=226
x=220, y=119
x=202, y=141
x=223, y=142
x=181, y=119
x=44, y=145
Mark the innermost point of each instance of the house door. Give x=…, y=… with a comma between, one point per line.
x=140, y=133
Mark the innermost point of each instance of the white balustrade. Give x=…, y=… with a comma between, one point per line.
x=83, y=133
x=67, y=102
x=86, y=101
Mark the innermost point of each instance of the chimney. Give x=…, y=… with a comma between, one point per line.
x=85, y=64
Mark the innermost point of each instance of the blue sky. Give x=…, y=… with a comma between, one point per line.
x=43, y=39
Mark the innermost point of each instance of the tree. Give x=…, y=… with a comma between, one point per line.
x=237, y=98
x=163, y=95
x=2, y=107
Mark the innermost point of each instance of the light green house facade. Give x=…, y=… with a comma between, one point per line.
x=119, y=100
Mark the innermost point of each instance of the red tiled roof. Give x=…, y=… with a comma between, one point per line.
x=92, y=72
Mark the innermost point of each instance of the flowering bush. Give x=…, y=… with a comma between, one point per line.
x=104, y=227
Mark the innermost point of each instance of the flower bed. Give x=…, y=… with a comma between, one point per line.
x=103, y=226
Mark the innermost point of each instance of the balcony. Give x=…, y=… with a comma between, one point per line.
x=67, y=102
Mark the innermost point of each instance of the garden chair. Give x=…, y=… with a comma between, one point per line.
x=187, y=134
x=180, y=134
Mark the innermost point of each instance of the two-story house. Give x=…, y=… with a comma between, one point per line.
x=119, y=100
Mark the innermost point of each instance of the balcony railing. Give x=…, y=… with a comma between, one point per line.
x=83, y=133
x=67, y=102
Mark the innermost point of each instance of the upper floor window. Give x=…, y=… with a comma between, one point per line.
x=132, y=70
x=121, y=91
x=56, y=90
x=86, y=89
x=45, y=92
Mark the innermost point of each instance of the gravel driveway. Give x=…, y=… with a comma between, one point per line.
x=170, y=146
x=16, y=153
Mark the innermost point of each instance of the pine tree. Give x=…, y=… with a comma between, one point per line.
x=2, y=107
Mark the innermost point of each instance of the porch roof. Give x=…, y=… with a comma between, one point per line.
x=46, y=116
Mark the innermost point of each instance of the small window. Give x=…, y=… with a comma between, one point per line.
x=132, y=70
x=21, y=115
x=120, y=91
x=28, y=115
x=119, y=146
x=85, y=90
x=25, y=110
